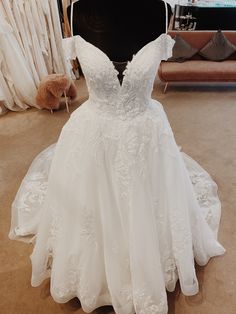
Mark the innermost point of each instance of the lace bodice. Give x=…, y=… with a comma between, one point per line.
x=105, y=91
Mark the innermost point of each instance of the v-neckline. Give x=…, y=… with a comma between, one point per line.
x=129, y=63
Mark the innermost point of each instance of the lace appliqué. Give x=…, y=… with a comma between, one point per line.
x=88, y=228
x=131, y=157
x=55, y=232
x=31, y=195
x=36, y=187
x=75, y=284
x=144, y=304
x=206, y=194
x=35, y=183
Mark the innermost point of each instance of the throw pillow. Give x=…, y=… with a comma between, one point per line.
x=182, y=50
x=218, y=48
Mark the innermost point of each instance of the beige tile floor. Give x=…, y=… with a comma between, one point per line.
x=204, y=122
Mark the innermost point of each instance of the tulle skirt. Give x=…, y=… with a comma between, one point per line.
x=119, y=213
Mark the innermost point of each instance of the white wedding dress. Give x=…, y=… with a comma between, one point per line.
x=118, y=211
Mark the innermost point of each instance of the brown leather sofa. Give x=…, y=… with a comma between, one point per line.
x=198, y=69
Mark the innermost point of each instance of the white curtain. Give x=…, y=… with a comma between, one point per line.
x=30, y=48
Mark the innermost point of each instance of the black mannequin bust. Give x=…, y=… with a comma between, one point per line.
x=119, y=28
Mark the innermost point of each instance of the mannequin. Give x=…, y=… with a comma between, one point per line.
x=118, y=29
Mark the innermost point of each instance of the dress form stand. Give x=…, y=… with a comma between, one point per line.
x=118, y=28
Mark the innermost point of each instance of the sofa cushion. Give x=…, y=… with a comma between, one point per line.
x=197, y=70
x=199, y=38
x=218, y=48
x=182, y=50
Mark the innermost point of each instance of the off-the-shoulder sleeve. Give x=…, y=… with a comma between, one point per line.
x=69, y=48
x=167, y=46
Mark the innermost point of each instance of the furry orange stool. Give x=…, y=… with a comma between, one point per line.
x=52, y=88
